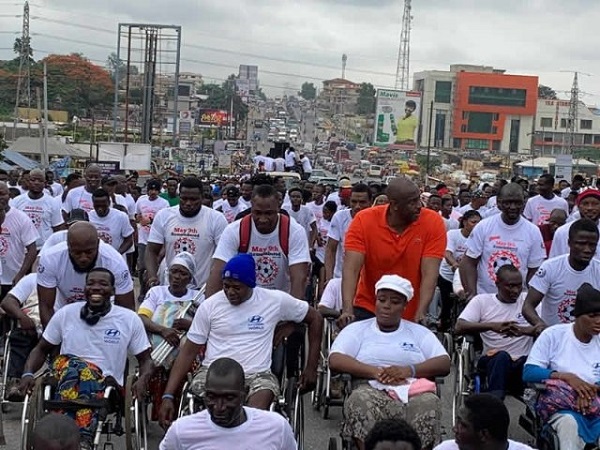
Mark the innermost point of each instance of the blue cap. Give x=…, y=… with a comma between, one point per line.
x=241, y=268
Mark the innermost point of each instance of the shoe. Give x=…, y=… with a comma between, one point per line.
x=13, y=394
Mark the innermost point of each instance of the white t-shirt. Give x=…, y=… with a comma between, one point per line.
x=558, y=349
x=538, y=209
x=269, y=164
x=230, y=212
x=486, y=308
x=128, y=202
x=272, y=266
x=146, y=209
x=337, y=230
x=78, y=198
x=218, y=203
x=25, y=291
x=112, y=228
x=290, y=159
x=303, y=216
x=43, y=212
x=16, y=234
x=323, y=228
x=317, y=211
x=411, y=343
x=451, y=224
x=560, y=242
x=335, y=197
x=258, y=160
x=306, y=165
x=332, y=295
x=107, y=344
x=498, y=244
x=559, y=282
x=263, y=430
x=57, y=189
x=244, y=332
x=456, y=244
x=54, y=239
x=198, y=235
x=56, y=271
x=452, y=445
x=279, y=164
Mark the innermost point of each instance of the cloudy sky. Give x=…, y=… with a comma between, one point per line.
x=293, y=41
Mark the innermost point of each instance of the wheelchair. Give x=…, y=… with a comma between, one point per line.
x=321, y=396
x=543, y=434
x=466, y=379
x=289, y=403
x=111, y=408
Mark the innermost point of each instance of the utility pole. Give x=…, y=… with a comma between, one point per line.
x=402, y=70
x=24, y=79
x=344, y=61
x=45, y=162
x=572, y=119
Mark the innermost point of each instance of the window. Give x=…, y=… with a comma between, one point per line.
x=456, y=143
x=585, y=124
x=548, y=139
x=463, y=128
x=596, y=139
x=480, y=122
x=496, y=146
x=587, y=139
x=480, y=95
x=546, y=122
x=478, y=144
x=496, y=117
x=443, y=91
x=515, y=130
x=465, y=115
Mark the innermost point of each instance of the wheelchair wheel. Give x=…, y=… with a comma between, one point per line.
x=136, y=434
x=317, y=394
x=33, y=410
x=298, y=419
x=333, y=444
x=448, y=343
x=460, y=384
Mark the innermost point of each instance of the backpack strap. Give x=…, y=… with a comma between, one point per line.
x=284, y=234
x=245, y=230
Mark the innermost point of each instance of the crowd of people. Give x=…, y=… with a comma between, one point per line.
x=98, y=267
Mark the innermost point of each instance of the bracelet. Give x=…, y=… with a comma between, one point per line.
x=413, y=371
x=168, y=396
x=27, y=374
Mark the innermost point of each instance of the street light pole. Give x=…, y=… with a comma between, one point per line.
x=429, y=138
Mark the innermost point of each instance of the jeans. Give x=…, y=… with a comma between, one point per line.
x=362, y=314
x=502, y=373
x=446, y=291
x=21, y=345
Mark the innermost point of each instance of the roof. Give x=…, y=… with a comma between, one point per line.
x=19, y=160
x=340, y=81
x=31, y=146
x=545, y=161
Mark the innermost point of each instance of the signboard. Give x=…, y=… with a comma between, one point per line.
x=185, y=115
x=217, y=117
x=397, y=118
x=563, y=168
x=108, y=167
x=224, y=161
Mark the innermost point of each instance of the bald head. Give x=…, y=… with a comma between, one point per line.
x=227, y=373
x=401, y=188
x=56, y=432
x=81, y=232
x=511, y=189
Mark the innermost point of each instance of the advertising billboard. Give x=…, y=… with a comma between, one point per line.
x=217, y=117
x=397, y=118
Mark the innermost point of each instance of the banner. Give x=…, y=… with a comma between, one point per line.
x=216, y=117
x=397, y=118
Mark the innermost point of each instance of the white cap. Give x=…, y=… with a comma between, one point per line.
x=396, y=283
x=465, y=182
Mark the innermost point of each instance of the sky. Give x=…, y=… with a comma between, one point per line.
x=293, y=41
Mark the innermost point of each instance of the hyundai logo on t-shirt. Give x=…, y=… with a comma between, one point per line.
x=256, y=323
x=112, y=336
x=408, y=347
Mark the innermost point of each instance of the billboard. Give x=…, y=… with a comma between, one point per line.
x=216, y=117
x=249, y=73
x=397, y=118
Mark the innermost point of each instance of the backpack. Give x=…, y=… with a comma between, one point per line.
x=246, y=230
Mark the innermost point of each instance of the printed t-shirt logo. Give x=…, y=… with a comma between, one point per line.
x=501, y=258
x=256, y=323
x=266, y=270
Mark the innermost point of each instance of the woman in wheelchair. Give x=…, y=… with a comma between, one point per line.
x=94, y=341
x=389, y=360
x=166, y=313
x=566, y=357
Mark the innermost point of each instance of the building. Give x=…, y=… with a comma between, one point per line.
x=339, y=96
x=249, y=73
x=477, y=108
x=551, y=126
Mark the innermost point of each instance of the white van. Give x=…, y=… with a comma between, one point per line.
x=364, y=164
x=374, y=171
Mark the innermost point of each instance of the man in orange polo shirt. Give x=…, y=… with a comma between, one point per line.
x=396, y=239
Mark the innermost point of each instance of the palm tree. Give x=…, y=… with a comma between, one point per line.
x=19, y=45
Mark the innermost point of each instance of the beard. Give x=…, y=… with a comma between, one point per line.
x=81, y=269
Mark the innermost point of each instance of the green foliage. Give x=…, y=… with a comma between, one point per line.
x=366, y=99
x=219, y=97
x=308, y=91
x=422, y=162
x=546, y=92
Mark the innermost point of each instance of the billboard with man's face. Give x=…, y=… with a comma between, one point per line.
x=397, y=118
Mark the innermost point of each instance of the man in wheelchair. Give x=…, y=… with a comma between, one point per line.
x=94, y=341
x=506, y=335
x=239, y=322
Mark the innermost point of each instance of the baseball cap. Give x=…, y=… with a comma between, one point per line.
x=77, y=215
x=345, y=184
x=589, y=192
x=108, y=179
x=154, y=185
x=233, y=191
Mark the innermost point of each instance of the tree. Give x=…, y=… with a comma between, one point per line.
x=546, y=93
x=308, y=91
x=79, y=84
x=366, y=99
x=28, y=50
x=113, y=63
